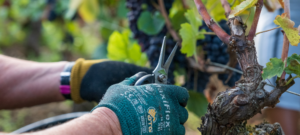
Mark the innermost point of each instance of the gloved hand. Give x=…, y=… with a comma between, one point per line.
x=147, y=109
x=91, y=78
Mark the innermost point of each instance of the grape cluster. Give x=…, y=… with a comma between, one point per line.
x=217, y=52
x=135, y=9
x=234, y=77
x=151, y=44
x=202, y=78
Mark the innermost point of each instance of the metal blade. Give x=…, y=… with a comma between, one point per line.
x=161, y=59
x=170, y=58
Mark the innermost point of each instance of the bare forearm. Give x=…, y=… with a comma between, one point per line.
x=101, y=121
x=25, y=83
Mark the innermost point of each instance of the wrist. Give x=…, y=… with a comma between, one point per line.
x=65, y=78
x=109, y=117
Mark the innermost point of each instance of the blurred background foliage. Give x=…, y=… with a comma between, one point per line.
x=49, y=30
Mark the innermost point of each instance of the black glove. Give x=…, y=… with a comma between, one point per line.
x=91, y=78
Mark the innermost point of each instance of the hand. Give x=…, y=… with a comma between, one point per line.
x=91, y=78
x=145, y=109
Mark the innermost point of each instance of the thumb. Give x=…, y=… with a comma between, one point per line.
x=131, y=80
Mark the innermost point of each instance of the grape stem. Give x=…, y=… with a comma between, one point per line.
x=267, y=30
x=252, y=31
x=285, y=47
x=290, y=80
x=210, y=23
x=226, y=7
x=161, y=7
x=225, y=66
x=184, y=4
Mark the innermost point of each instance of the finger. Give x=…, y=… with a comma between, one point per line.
x=183, y=115
x=180, y=93
x=131, y=80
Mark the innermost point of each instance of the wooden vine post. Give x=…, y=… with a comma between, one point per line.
x=228, y=114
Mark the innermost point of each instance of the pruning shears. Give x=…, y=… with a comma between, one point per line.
x=160, y=73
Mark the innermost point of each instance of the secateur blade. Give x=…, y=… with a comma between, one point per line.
x=161, y=70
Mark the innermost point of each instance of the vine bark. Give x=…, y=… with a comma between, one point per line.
x=228, y=114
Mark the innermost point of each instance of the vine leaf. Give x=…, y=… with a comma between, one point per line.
x=177, y=19
x=242, y=7
x=121, y=48
x=193, y=18
x=215, y=9
x=190, y=34
x=197, y=103
x=281, y=3
x=274, y=67
x=293, y=65
x=149, y=23
x=288, y=27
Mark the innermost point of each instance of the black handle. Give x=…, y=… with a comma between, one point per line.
x=147, y=79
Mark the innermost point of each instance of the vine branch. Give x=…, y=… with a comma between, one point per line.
x=285, y=47
x=226, y=7
x=252, y=31
x=184, y=4
x=210, y=23
x=162, y=9
x=267, y=30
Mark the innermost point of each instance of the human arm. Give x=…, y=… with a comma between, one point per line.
x=26, y=83
x=102, y=121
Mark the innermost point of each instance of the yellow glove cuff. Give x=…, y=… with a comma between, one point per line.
x=79, y=69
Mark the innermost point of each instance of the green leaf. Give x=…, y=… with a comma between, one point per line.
x=242, y=7
x=177, y=19
x=293, y=57
x=162, y=72
x=274, y=67
x=122, y=10
x=189, y=38
x=121, y=48
x=193, y=17
x=215, y=9
x=150, y=24
x=197, y=103
x=293, y=65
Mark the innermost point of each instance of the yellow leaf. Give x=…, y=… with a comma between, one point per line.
x=299, y=30
x=288, y=27
x=215, y=9
x=88, y=10
x=272, y=5
x=281, y=3
x=242, y=7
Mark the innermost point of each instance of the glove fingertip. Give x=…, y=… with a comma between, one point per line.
x=182, y=96
x=181, y=130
